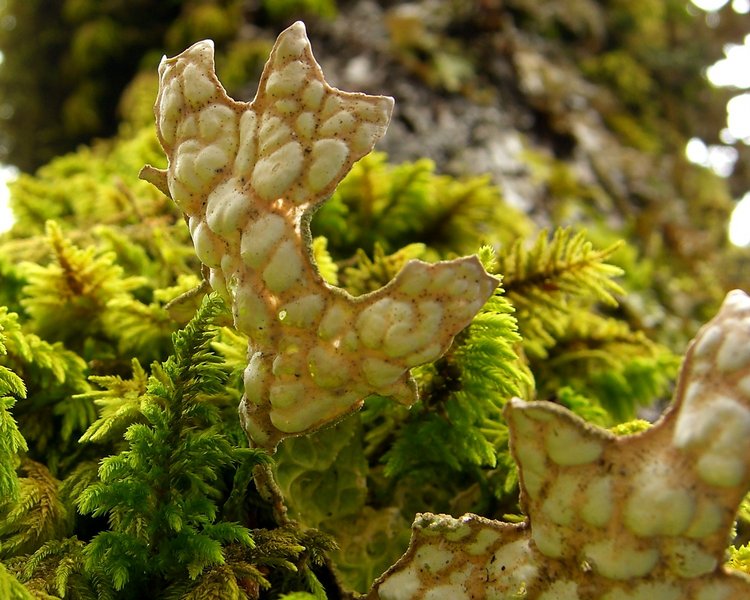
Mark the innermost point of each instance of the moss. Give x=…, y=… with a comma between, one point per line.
x=583, y=322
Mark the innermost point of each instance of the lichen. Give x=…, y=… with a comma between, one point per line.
x=248, y=178
x=637, y=516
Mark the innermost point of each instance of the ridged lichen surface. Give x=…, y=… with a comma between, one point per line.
x=609, y=518
x=248, y=177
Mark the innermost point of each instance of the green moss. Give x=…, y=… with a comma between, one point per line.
x=583, y=321
x=631, y=427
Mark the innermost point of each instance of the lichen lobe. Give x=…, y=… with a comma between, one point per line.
x=248, y=177
x=619, y=518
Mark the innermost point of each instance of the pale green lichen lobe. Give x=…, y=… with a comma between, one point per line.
x=618, y=518
x=248, y=176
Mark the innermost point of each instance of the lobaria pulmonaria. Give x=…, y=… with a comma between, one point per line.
x=248, y=178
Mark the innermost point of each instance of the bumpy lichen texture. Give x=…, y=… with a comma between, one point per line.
x=248, y=176
x=609, y=518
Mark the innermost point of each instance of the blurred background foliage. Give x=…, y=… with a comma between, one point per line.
x=548, y=137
